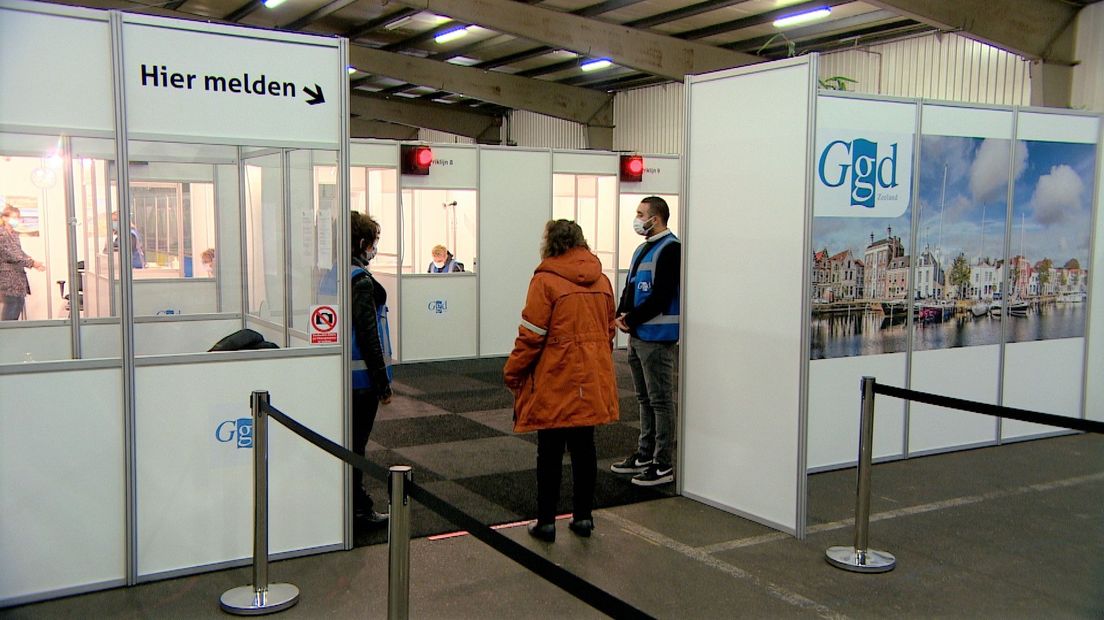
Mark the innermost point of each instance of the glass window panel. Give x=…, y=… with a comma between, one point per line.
x=264, y=237
x=315, y=249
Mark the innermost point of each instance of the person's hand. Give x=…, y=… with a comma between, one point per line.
x=620, y=323
x=385, y=396
x=39, y=266
x=386, y=400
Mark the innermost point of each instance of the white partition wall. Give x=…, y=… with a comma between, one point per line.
x=1094, y=348
x=1051, y=220
x=439, y=317
x=62, y=483
x=742, y=354
x=515, y=188
x=191, y=437
x=137, y=168
x=944, y=249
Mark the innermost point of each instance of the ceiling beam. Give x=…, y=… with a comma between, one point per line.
x=442, y=117
x=317, y=14
x=644, y=51
x=756, y=20
x=243, y=10
x=1038, y=29
x=364, y=28
x=361, y=128
x=580, y=105
x=836, y=29
x=682, y=13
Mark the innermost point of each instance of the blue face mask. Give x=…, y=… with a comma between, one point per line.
x=115, y=226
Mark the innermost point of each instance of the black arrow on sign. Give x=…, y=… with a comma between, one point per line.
x=316, y=95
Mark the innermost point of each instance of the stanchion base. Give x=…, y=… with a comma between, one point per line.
x=247, y=601
x=868, y=561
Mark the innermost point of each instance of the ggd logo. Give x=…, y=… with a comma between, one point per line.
x=863, y=177
x=438, y=306
x=239, y=431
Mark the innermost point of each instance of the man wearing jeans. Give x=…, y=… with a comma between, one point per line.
x=649, y=312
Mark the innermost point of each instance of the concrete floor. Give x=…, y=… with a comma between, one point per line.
x=1015, y=531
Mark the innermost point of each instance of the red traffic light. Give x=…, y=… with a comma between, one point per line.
x=416, y=159
x=632, y=168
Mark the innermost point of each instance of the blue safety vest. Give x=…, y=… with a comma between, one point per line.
x=663, y=327
x=362, y=379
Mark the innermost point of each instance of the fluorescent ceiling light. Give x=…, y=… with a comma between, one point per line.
x=801, y=18
x=594, y=65
x=352, y=69
x=271, y=4
x=451, y=35
x=463, y=61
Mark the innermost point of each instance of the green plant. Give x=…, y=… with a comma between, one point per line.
x=836, y=82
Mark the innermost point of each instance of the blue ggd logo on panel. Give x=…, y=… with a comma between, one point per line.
x=860, y=177
x=238, y=431
x=438, y=306
x=865, y=171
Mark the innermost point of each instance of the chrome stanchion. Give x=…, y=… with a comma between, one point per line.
x=858, y=558
x=398, y=546
x=260, y=597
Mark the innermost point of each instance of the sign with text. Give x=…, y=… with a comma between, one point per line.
x=323, y=325
x=216, y=84
x=862, y=165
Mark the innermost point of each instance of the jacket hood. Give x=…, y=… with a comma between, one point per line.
x=577, y=265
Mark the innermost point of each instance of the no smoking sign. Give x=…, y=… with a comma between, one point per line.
x=323, y=325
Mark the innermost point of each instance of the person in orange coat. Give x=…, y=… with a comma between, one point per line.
x=561, y=371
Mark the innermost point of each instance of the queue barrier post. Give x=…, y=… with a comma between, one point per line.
x=398, y=545
x=859, y=558
x=260, y=597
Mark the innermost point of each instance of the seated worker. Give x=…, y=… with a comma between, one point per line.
x=443, y=261
x=208, y=259
x=138, y=253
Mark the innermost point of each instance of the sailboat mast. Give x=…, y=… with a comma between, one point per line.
x=942, y=201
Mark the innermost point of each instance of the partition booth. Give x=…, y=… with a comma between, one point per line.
x=124, y=446
x=939, y=246
x=488, y=206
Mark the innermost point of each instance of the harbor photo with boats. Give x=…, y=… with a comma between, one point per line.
x=974, y=276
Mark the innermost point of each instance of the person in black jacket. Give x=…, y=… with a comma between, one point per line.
x=371, y=384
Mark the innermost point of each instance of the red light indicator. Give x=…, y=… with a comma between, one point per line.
x=632, y=168
x=416, y=159
x=423, y=156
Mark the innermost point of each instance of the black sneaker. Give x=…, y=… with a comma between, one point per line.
x=655, y=474
x=632, y=465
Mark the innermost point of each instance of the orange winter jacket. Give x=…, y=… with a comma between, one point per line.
x=561, y=368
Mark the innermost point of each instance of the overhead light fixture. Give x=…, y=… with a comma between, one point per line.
x=271, y=4
x=595, y=65
x=351, y=69
x=451, y=35
x=801, y=18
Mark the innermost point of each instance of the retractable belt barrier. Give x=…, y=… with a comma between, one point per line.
x=859, y=558
x=572, y=584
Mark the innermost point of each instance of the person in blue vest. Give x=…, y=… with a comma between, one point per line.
x=137, y=251
x=371, y=381
x=649, y=313
x=443, y=261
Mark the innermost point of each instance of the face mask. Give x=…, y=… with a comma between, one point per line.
x=115, y=226
x=13, y=222
x=439, y=263
x=638, y=226
x=370, y=254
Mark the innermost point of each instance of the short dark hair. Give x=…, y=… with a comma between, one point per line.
x=560, y=236
x=362, y=230
x=658, y=206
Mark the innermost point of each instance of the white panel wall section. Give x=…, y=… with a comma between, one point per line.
x=443, y=137
x=745, y=415
x=61, y=483
x=515, y=202
x=532, y=129
x=650, y=120
x=1088, y=76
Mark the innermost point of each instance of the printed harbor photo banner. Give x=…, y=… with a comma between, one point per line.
x=983, y=266
x=861, y=236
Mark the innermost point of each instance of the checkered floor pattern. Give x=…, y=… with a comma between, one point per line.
x=453, y=423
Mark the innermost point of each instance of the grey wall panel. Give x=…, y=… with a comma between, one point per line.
x=539, y=130
x=1088, y=77
x=443, y=137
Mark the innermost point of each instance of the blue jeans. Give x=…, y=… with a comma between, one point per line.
x=653, y=372
x=13, y=307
